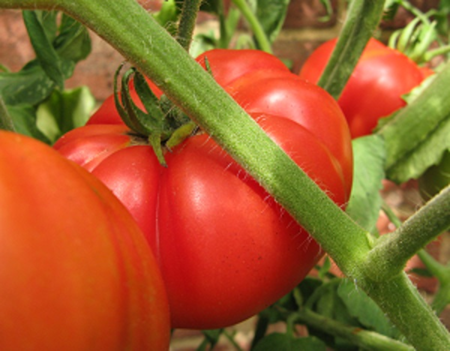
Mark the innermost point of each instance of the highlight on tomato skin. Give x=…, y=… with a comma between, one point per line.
x=77, y=272
x=225, y=248
x=375, y=87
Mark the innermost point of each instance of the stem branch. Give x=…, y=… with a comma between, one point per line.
x=390, y=254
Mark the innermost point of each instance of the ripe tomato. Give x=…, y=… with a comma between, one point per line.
x=226, y=249
x=228, y=65
x=375, y=87
x=288, y=96
x=225, y=66
x=76, y=272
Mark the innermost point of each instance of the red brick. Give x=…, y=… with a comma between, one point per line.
x=309, y=13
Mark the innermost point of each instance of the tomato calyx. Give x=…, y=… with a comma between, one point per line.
x=417, y=38
x=162, y=123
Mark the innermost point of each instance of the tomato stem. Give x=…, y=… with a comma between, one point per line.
x=255, y=25
x=365, y=339
x=363, y=16
x=393, y=250
x=187, y=22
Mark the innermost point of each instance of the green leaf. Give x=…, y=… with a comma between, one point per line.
x=64, y=111
x=6, y=122
x=42, y=45
x=271, y=15
x=363, y=308
x=168, y=15
x=24, y=119
x=417, y=136
x=73, y=42
x=365, y=200
x=284, y=342
x=56, y=54
x=29, y=86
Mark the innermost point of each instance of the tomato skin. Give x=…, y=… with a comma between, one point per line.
x=375, y=87
x=228, y=65
x=76, y=271
x=217, y=271
x=288, y=96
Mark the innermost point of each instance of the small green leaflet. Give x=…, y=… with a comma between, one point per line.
x=46, y=54
x=362, y=307
x=417, y=136
x=57, y=48
x=64, y=111
x=365, y=199
x=271, y=15
x=24, y=118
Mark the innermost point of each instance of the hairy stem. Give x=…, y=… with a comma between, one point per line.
x=363, y=16
x=254, y=24
x=366, y=340
x=187, y=22
x=390, y=254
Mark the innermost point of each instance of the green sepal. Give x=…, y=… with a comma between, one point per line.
x=182, y=133
x=155, y=141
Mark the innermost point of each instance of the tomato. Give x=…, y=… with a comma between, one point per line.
x=375, y=87
x=225, y=248
x=76, y=272
x=288, y=96
x=225, y=66
x=436, y=178
x=228, y=65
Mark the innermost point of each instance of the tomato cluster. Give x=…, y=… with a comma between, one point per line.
x=376, y=85
x=76, y=271
x=225, y=248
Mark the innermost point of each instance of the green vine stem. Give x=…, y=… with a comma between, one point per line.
x=421, y=117
x=362, y=18
x=366, y=340
x=137, y=36
x=254, y=24
x=438, y=270
x=187, y=22
x=393, y=250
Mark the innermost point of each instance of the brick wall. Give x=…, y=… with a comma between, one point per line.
x=304, y=30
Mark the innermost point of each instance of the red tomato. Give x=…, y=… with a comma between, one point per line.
x=76, y=272
x=286, y=95
x=225, y=248
x=228, y=65
x=225, y=65
x=375, y=87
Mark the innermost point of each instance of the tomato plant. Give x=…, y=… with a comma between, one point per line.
x=225, y=248
x=76, y=271
x=376, y=297
x=375, y=87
